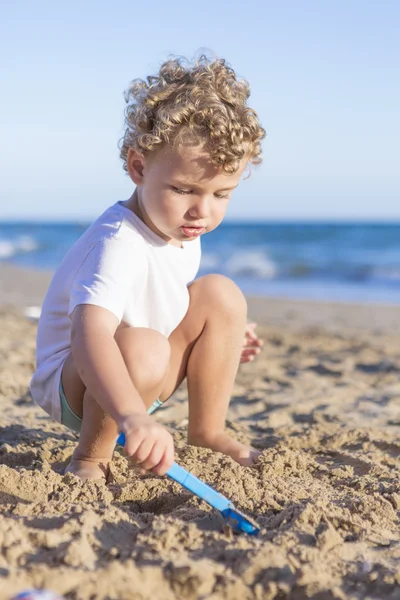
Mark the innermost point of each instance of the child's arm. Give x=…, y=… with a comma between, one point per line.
x=103, y=371
x=100, y=363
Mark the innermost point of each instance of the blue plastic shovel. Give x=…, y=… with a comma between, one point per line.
x=233, y=517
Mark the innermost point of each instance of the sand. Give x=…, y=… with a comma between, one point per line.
x=322, y=402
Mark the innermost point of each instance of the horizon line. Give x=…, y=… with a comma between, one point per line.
x=231, y=221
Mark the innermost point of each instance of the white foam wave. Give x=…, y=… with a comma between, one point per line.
x=6, y=249
x=209, y=261
x=26, y=243
x=21, y=244
x=251, y=264
x=392, y=273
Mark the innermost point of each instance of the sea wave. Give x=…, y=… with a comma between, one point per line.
x=251, y=264
x=20, y=245
x=390, y=272
x=241, y=264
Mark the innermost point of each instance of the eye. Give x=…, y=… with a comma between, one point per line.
x=180, y=191
x=221, y=195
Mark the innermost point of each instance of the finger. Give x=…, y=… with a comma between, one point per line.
x=132, y=444
x=252, y=343
x=248, y=352
x=143, y=451
x=166, y=461
x=252, y=337
x=246, y=359
x=250, y=327
x=138, y=470
x=251, y=334
x=249, y=337
x=153, y=458
x=255, y=455
x=251, y=351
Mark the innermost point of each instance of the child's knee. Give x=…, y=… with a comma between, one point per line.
x=220, y=292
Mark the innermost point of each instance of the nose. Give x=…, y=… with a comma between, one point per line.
x=200, y=208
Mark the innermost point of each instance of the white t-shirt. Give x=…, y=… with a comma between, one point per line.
x=122, y=265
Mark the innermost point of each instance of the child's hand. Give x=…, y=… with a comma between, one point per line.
x=148, y=444
x=251, y=345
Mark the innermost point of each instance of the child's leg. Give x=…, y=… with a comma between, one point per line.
x=206, y=347
x=146, y=354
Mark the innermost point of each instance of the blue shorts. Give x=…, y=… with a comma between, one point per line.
x=71, y=419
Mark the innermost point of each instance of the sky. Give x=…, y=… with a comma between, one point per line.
x=324, y=78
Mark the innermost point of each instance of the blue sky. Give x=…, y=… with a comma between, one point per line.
x=324, y=76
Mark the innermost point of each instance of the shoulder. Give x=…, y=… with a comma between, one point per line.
x=110, y=246
x=114, y=230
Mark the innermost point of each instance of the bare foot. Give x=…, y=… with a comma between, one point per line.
x=91, y=468
x=223, y=442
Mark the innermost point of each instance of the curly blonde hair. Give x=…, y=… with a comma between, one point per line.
x=204, y=103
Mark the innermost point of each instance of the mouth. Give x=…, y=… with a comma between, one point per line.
x=192, y=231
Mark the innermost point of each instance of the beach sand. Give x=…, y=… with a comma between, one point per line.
x=322, y=402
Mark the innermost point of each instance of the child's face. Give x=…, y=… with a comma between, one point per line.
x=180, y=193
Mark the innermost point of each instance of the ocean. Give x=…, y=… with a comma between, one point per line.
x=325, y=261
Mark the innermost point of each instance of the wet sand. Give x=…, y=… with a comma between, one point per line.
x=322, y=402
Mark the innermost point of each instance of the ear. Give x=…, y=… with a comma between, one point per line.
x=135, y=166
